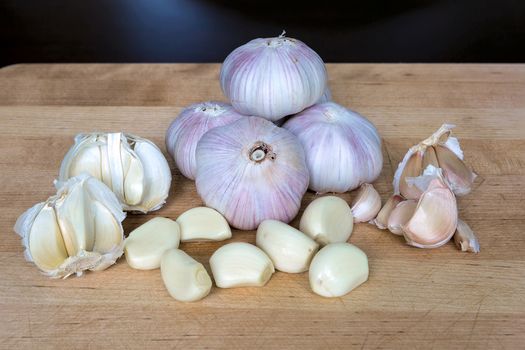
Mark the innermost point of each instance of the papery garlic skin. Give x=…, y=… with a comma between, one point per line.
x=132, y=167
x=342, y=148
x=273, y=77
x=366, y=203
x=186, y=130
x=75, y=230
x=381, y=220
x=240, y=264
x=289, y=249
x=465, y=239
x=250, y=171
x=203, y=224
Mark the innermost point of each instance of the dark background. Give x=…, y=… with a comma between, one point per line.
x=207, y=30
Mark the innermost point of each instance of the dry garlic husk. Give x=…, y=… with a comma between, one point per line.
x=75, y=230
x=240, y=264
x=273, y=77
x=465, y=239
x=381, y=220
x=203, y=224
x=250, y=171
x=132, y=167
x=187, y=129
x=289, y=249
x=342, y=148
x=366, y=204
x=441, y=151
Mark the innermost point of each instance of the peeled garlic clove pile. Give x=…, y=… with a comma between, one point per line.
x=400, y=216
x=366, y=204
x=203, y=223
x=187, y=129
x=251, y=171
x=185, y=279
x=240, y=264
x=337, y=269
x=327, y=219
x=78, y=229
x=147, y=243
x=132, y=167
x=465, y=239
x=381, y=221
x=289, y=249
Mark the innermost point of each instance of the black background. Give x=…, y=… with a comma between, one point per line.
x=206, y=30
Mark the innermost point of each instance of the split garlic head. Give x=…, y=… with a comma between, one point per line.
x=273, y=77
x=132, y=167
x=343, y=149
x=187, y=129
x=251, y=171
x=75, y=230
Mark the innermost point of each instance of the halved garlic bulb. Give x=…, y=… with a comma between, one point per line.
x=366, y=203
x=465, y=239
x=202, y=223
x=187, y=129
x=250, y=171
x=132, y=167
x=381, y=220
x=327, y=219
x=75, y=230
x=240, y=264
x=342, y=148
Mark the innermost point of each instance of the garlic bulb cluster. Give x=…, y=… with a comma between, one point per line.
x=251, y=171
x=132, y=167
x=441, y=151
x=187, y=129
x=75, y=230
x=343, y=149
x=273, y=77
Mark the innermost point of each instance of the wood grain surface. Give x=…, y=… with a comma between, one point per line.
x=414, y=298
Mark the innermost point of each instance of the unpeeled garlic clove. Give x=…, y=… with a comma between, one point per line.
x=366, y=204
x=465, y=239
x=185, y=279
x=413, y=168
x=381, y=220
x=146, y=244
x=240, y=264
x=327, y=219
x=289, y=249
x=337, y=269
x=400, y=216
x=203, y=223
x=458, y=175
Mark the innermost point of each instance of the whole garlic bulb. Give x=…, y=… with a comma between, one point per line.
x=343, y=149
x=250, y=171
x=78, y=229
x=132, y=167
x=187, y=129
x=273, y=77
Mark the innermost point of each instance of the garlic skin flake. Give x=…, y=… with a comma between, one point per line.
x=132, y=167
x=381, y=220
x=273, y=77
x=147, y=243
x=251, y=171
x=366, y=204
x=289, y=249
x=465, y=239
x=337, y=269
x=240, y=264
x=184, y=278
x=186, y=130
x=75, y=230
x=327, y=219
x=203, y=224
x=342, y=148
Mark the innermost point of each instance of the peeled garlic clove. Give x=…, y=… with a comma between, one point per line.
x=289, y=249
x=366, y=204
x=185, y=279
x=240, y=264
x=465, y=239
x=327, y=219
x=337, y=269
x=455, y=171
x=435, y=218
x=381, y=221
x=400, y=216
x=413, y=168
x=203, y=223
x=146, y=244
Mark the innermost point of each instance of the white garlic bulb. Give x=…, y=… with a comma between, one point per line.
x=187, y=129
x=343, y=149
x=273, y=77
x=132, y=167
x=75, y=230
x=250, y=171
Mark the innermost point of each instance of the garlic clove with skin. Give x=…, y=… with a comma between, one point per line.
x=366, y=204
x=413, y=168
x=203, y=223
x=459, y=177
x=400, y=216
x=465, y=239
x=381, y=221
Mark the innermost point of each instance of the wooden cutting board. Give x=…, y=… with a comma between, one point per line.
x=414, y=298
